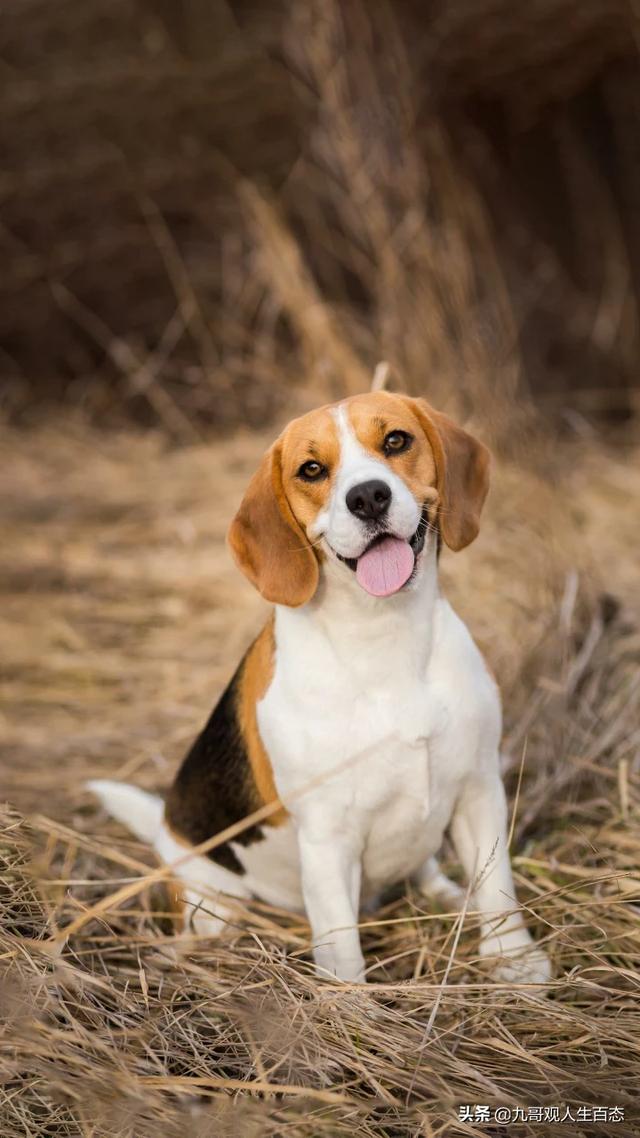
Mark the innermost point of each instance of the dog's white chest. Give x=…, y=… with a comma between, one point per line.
x=349, y=745
x=355, y=773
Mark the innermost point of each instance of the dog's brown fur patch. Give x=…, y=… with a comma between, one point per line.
x=227, y=774
x=256, y=677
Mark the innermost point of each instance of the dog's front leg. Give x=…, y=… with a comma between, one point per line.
x=479, y=833
x=331, y=873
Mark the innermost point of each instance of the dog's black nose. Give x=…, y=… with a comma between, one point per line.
x=369, y=500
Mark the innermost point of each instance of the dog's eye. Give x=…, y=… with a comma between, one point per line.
x=312, y=471
x=397, y=441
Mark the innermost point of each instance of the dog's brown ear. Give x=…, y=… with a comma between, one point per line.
x=268, y=543
x=462, y=467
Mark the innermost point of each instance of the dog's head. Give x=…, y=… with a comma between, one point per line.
x=359, y=483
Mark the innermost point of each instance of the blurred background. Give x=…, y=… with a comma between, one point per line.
x=209, y=207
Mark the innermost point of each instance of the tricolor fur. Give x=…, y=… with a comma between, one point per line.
x=363, y=709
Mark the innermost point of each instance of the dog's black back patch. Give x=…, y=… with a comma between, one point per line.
x=214, y=787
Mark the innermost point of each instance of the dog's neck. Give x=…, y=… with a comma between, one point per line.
x=356, y=624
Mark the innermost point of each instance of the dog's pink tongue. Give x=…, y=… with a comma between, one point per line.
x=386, y=567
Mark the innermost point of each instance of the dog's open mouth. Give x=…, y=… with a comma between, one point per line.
x=388, y=563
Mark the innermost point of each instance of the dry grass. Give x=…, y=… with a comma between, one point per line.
x=121, y=618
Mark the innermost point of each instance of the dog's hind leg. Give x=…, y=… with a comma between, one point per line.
x=203, y=888
x=435, y=885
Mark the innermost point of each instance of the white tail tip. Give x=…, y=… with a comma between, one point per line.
x=140, y=811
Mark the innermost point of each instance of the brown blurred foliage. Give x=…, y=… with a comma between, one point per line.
x=207, y=205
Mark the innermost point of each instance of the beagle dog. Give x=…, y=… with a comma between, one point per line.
x=363, y=711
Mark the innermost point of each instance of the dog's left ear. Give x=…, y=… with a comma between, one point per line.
x=462, y=468
x=267, y=542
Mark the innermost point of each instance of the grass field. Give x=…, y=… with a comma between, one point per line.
x=121, y=617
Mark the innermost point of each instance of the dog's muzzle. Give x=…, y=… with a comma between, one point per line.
x=388, y=563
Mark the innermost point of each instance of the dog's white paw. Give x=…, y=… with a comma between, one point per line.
x=448, y=895
x=437, y=887
x=530, y=965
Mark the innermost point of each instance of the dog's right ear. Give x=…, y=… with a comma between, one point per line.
x=268, y=543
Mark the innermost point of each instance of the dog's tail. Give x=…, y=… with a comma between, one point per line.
x=140, y=811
